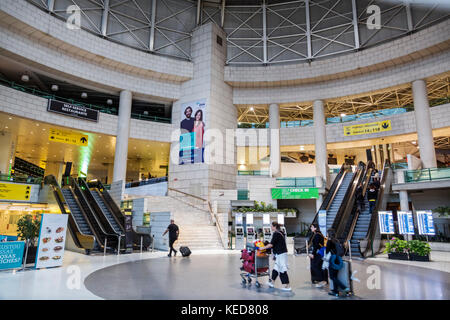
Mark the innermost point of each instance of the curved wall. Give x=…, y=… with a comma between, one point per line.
x=32, y=107
x=41, y=41
x=404, y=123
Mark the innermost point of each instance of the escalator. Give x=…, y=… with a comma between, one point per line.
x=101, y=212
x=105, y=239
x=78, y=225
x=114, y=214
x=337, y=195
x=364, y=233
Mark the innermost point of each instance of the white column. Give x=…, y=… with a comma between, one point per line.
x=423, y=124
x=275, y=154
x=320, y=147
x=123, y=132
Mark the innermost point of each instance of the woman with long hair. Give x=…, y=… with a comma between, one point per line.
x=199, y=129
x=319, y=277
x=279, y=248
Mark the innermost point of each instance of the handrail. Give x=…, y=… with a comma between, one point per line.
x=98, y=211
x=111, y=204
x=92, y=218
x=368, y=176
x=340, y=219
x=331, y=194
x=18, y=179
x=214, y=217
x=73, y=225
x=386, y=174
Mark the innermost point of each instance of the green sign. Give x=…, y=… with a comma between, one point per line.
x=295, y=193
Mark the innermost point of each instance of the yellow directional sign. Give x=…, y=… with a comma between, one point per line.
x=69, y=137
x=368, y=128
x=15, y=192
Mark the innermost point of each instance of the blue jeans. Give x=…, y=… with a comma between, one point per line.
x=371, y=206
x=336, y=282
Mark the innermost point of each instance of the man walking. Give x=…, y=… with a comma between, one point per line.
x=173, y=236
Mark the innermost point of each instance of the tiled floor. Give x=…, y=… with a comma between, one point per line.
x=208, y=275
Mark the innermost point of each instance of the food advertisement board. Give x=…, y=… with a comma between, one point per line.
x=52, y=239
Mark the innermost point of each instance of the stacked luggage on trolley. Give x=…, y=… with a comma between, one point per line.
x=255, y=263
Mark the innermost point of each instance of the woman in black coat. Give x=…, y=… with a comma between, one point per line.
x=318, y=276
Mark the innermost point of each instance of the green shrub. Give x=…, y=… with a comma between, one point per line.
x=396, y=246
x=418, y=247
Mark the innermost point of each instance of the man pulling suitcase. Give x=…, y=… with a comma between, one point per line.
x=173, y=236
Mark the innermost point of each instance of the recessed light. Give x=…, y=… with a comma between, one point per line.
x=343, y=114
x=10, y=118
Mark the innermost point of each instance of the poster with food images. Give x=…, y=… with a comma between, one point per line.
x=52, y=239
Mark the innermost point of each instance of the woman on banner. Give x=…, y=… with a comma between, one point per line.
x=199, y=130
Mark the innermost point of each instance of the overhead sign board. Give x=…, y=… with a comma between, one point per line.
x=405, y=222
x=69, y=137
x=72, y=110
x=425, y=222
x=295, y=193
x=15, y=192
x=52, y=239
x=386, y=222
x=368, y=128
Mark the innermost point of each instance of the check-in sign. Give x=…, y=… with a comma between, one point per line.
x=69, y=137
x=425, y=222
x=405, y=222
x=386, y=222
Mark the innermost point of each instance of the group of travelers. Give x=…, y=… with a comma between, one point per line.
x=325, y=255
x=326, y=260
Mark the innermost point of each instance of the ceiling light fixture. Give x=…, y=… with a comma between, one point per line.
x=84, y=95
x=55, y=87
x=25, y=78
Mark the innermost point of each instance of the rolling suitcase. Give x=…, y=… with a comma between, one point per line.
x=185, y=252
x=345, y=276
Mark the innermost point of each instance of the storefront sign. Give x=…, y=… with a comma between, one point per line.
x=69, y=137
x=323, y=221
x=368, y=128
x=405, y=222
x=15, y=192
x=295, y=193
x=52, y=240
x=425, y=222
x=386, y=222
x=11, y=254
x=72, y=110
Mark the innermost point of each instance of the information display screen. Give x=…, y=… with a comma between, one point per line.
x=425, y=222
x=405, y=222
x=386, y=222
x=323, y=221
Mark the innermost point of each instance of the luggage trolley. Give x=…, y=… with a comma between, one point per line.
x=260, y=262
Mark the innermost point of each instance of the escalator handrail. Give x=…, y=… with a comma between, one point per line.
x=111, y=204
x=98, y=210
x=73, y=225
x=331, y=194
x=374, y=218
x=367, y=177
x=340, y=219
x=76, y=189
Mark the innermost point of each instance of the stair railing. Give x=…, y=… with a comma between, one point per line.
x=207, y=203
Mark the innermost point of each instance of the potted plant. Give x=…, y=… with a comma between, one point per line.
x=28, y=230
x=397, y=249
x=419, y=250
